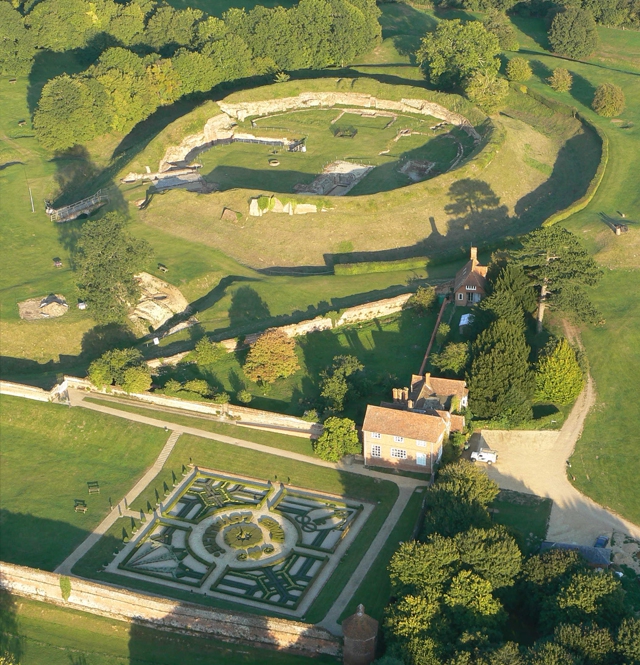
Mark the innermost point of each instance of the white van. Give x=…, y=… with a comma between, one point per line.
x=484, y=455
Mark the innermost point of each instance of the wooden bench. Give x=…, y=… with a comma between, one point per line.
x=80, y=506
x=94, y=487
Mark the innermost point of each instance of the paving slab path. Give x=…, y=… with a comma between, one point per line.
x=406, y=487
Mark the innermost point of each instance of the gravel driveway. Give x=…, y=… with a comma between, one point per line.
x=535, y=462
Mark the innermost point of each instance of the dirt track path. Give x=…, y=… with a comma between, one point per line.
x=536, y=462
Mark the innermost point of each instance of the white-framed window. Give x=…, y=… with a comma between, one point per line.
x=464, y=401
x=375, y=435
x=376, y=451
x=399, y=453
x=470, y=287
x=421, y=459
x=421, y=444
x=470, y=296
x=398, y=439
x=460, y=296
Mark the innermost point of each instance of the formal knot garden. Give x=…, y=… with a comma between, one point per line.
x=244, y=540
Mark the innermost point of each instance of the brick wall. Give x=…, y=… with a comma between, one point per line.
x=165, y=614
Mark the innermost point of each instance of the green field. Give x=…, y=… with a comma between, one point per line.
x=222, y=457
x=295, y=444
x=49, y=452
x=526, y=517
x=247, y=165
x=39, y=633
x=605, y=462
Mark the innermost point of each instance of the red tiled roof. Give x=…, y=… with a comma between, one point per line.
x=403, y=423
x=440, y=386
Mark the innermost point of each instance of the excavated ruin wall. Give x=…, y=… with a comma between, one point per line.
x=222, y=126
x=165, y=614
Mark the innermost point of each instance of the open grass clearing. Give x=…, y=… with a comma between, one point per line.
x=526, y=517
x=247, y=165
x=222, y=457
x=516, y=192
x=49, y=454
x=294, y=444
x=60, y=636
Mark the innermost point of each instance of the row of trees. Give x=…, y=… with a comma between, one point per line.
x=606, y=12
x=504, y=375
x=149, y=54
x=455, y=590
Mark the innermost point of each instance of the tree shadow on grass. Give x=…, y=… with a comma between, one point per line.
x=540, y=70
x=247, y=307
x=582, y=90
x=11, y=646
x=566, y=183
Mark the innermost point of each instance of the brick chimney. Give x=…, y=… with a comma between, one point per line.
x=474, y=254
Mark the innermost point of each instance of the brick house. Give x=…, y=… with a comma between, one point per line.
x=470, y=284
x=402, y=439
x=409, y=432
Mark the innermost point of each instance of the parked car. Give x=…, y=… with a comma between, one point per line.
x=601, y=541
x=484, y=455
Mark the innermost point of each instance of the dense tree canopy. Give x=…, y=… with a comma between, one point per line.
x=501, y=383
x=455, y=51
x=152, y=54
x=338, y=439
x=558, y=374
x=272, y=356
x=561, y=80
x=608, y=100
x=335, y=381
x=573, y=32
x=107, y=258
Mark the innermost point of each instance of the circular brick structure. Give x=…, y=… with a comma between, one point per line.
x=360, y=636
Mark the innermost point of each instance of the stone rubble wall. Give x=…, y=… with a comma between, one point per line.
x=222, y=126
x=165, y=614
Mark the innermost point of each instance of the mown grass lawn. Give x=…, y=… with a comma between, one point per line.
x=295, y=444
x=222, y=457
x=61, y=636
x=48, y=454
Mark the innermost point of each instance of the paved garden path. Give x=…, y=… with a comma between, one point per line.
x=406, y=487
x=120, y=509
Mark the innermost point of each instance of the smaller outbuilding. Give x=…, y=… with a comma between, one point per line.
x=360, y=637
x=470, y=284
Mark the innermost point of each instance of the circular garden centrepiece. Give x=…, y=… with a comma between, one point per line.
x=242, y=539
x=242, y=535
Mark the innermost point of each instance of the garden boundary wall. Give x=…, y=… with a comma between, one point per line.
x=56, y=394
x=165, y=614
x=240, y=415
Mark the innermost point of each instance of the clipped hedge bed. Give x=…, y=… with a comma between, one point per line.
x=365, y=267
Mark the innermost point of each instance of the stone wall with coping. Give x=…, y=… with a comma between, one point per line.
x=165, y=614
x=241, y=414
x=21, y=390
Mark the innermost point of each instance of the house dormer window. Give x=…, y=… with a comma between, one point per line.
x=470, y=287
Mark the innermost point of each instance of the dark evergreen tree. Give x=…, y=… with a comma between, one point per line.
x=501, y=383
x=558, y=266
